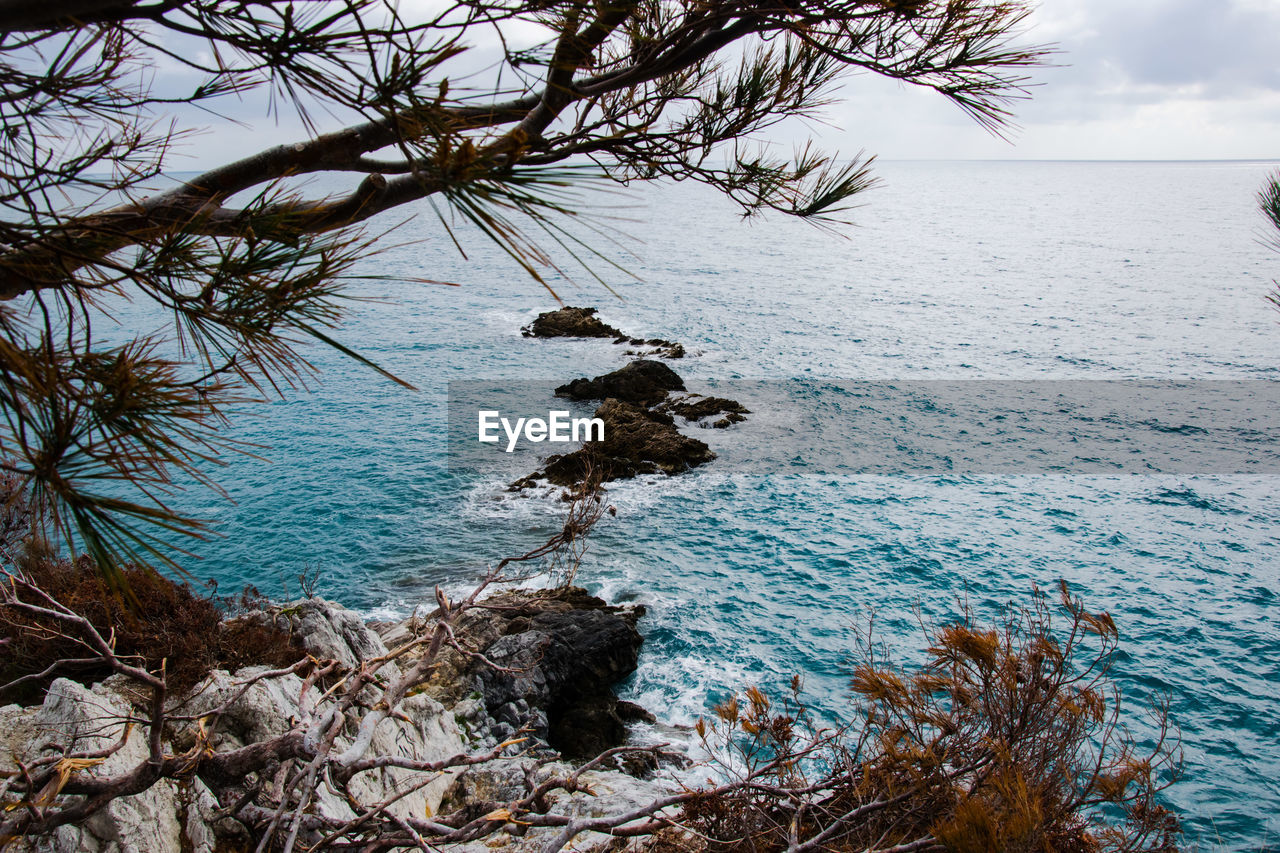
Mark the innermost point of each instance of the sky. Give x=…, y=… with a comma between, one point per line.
x=1132, y=80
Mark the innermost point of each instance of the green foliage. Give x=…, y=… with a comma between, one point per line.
x=249, y=273
x=1269, y=203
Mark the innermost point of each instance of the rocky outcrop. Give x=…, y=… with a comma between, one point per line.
x=695, y=407
x=640, y=436
x=422, y=729
x=166, y=816
x=558, y=654
x=602, y=792
x=173, y=816
x=660, y=347
x=326, y=630
x=572, y=323
x=582, y=323
x=636, y=441
x=642, y=381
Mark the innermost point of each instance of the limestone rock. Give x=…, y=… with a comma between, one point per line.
x=605, y=792
x=94, y=719
x=565, y=649
x=326, y=629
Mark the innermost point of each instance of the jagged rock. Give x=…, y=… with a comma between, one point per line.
x=602, y=793
x=566, y=649
x=642, y=381
x=96, y=719
x=630, y=712
x=662, y=348
x=695, y=407
x=423, y=730
x=636, y=441
x=328, y=631
x=183, y=816
x=570, y=323
x=582, y=323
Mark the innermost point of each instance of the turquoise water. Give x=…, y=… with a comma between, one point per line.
x=960, y=270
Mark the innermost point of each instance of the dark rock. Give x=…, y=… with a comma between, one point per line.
x=636, y=441
x=529, y=482
x=570, y=323
x=630, y=712
x=582, y=323
x=641, y=765
x=694, y=408
x=560, y=652
x=663, y=349
x=642, y=381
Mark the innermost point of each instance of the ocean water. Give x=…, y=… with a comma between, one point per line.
x=953, y=271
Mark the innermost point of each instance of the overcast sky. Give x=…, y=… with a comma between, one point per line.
x=1136, y=79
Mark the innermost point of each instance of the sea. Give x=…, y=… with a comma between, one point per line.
x=949, y=271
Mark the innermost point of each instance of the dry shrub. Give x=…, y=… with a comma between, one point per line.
x=161, y=622
x=1007, y=738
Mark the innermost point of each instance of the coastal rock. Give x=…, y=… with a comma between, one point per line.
x=695, y=408
x=636, y=441
x=96, y=719
x=601, y=793
x=423, y=729
x=642, y=381
x=661, y=348
x=570, y=323
x=327, y=630
x=560, y=652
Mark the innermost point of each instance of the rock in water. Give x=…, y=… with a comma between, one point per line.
x=636, y=441
x=695, y=408
x=642, y=381
x=561, y=652
x=570, y=323
x=662, y=348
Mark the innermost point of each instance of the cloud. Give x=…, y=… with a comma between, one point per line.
x=1146, y=51
x=1163, y=79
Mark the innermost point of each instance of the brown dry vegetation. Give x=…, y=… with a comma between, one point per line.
x=159, y=623
x=1007, y=738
